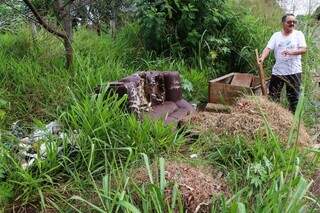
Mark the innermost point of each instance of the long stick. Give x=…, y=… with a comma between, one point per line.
x=261, y=75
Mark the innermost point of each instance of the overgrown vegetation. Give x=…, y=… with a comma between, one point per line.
x=90, y=168
x=225, y=39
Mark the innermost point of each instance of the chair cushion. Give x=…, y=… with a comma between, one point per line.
x=171, y=120
x=162, y=110
x=185, y=105
x=179, y=114
x=169, y=113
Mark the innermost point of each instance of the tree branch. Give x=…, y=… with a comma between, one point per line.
x=42, y=22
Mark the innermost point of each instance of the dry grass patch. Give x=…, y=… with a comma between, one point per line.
x=197, y=185
x=250, y=117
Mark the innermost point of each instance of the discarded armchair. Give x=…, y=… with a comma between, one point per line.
x=153, y=94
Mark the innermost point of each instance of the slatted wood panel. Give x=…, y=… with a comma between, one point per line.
x=221, y=92
x=242, y=80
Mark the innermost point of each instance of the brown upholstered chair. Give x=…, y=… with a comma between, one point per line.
x=153, y=94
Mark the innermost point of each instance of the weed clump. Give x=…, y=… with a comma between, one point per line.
x=197, y=185
x=250, y=117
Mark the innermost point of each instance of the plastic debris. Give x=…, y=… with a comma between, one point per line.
x=17, y=130
x=34, y=146
x=194, y=156
x=53, y=128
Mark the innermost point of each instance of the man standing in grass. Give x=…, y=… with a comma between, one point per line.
x=288, y=46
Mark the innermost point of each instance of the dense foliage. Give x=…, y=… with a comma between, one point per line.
x=185, y=28
x=204, y=32
x=9, y=17
x=90, y=168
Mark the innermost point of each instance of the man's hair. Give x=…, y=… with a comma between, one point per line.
x=284, y=18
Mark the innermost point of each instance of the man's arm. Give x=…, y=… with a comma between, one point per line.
x=300, y=51
x=302, y=46
x=264, y=55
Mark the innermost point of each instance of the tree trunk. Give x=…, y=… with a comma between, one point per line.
x=69, y=53
x=98, y=27
x=113, y=28
x=33, y=31
x=65, y=16
x=94, y=17
x=113, y=20
x=67, y=25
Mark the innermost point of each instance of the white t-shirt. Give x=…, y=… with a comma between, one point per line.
x=287, y=65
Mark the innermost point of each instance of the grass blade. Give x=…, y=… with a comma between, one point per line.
x=147, y=163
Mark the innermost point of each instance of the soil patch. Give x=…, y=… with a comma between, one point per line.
x=315, y=134
x=29, y=208
x=250, y=117
x=197, y=185
x=315, y=187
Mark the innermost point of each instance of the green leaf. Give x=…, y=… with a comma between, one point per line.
x=146, y=161
x=2, y=114
x=162, y=174
x=75, y=197
x=238, y=207
x=128, y=206
x=3, y=103
x=299, y=193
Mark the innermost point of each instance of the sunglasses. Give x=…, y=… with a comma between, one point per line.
x=291, y=22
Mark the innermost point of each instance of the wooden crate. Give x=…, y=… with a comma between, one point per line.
x=226, y=89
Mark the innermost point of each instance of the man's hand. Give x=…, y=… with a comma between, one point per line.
x=286, y=53
x=299, y=51
x=264, y=55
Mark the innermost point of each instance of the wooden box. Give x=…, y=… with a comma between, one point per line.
x=226, y=89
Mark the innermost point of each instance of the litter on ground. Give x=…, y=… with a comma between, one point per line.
x=35, y=145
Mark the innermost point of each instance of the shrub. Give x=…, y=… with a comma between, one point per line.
x=217, y=33
x=184, y=28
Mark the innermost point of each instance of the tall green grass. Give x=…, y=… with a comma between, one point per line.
x=103, y=142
